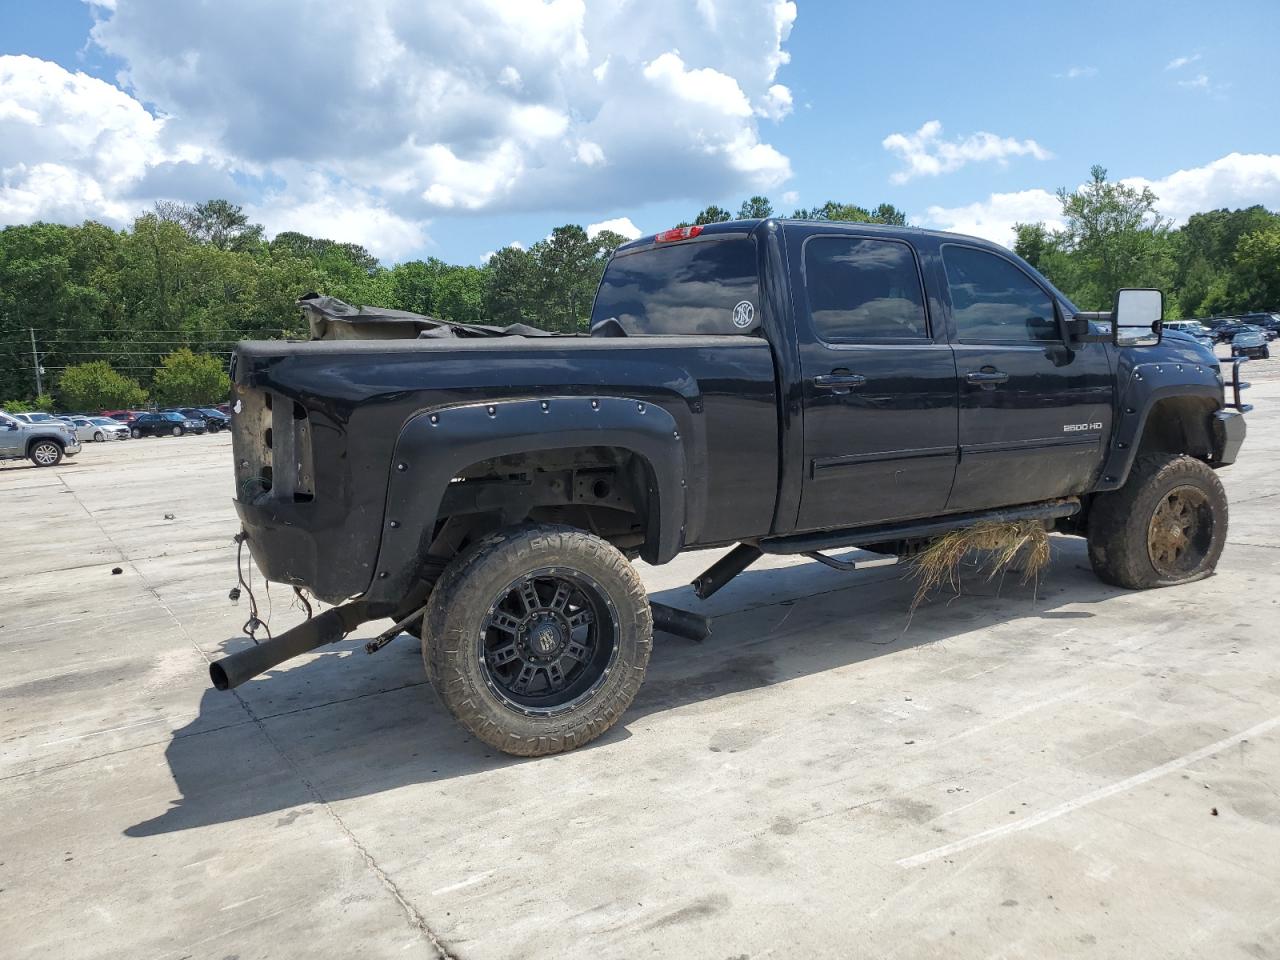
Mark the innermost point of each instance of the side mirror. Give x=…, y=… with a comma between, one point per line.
x=1136, y=319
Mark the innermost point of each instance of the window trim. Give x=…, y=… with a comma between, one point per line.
x=951, y=307
x=926, y=337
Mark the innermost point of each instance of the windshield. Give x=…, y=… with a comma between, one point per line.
x=703, y=287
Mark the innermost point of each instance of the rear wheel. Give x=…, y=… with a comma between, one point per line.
x=45, y=453
x=1166, y=525
x=537, y=638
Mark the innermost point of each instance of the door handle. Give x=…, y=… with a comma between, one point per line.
x=838, y=381
x=987, y=377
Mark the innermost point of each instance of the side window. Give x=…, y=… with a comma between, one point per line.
x=861, y=289
x=994, y=300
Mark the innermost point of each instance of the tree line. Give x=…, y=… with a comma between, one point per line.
x=151, y=312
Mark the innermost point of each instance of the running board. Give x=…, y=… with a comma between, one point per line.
x=808, y=543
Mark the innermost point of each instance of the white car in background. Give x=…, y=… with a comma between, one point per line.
x=99, y=429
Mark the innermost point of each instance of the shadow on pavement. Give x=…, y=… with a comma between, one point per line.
x=378, y=726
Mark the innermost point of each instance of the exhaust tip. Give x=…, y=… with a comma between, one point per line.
x=219, y=676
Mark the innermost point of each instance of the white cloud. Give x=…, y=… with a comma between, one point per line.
x=1236, y=180
x=70, y=144
x=1199, y=82
x=494, y=105
x=927, y=154
x=1177, y=63
x=407, y=111
x=791, y=198
x=704, y=86
x=619, y=225
x=776, y=103
x=994, y=217
x=1077, y=73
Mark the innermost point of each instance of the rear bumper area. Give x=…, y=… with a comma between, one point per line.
x=302, y=545
x=1228, y=435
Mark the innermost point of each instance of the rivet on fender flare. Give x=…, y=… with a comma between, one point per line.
x=402, y=467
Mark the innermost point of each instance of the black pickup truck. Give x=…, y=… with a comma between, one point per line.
x=787, y=387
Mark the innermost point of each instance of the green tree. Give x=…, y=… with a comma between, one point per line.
x=460, y=295
x=1115, y=238
x=852, y=213
x=510, y=294
x=712, y=214
x=1032, y=242
x=1255, y=280
x=756, y=208
x=97, y=386
x=222, y=224
x=186, y=377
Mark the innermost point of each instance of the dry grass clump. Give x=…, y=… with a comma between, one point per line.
x=1006, y=541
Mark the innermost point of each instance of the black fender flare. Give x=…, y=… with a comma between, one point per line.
x=1148, y=384
x=434, y=446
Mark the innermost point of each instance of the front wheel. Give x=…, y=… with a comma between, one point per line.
x=46, y=453
x=135, y=433
x=176, y=431
x=98, y=437
x=537, y=638
x=1167, y=525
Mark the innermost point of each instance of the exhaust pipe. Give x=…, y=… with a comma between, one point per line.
x=691, y=626
x=328, y=627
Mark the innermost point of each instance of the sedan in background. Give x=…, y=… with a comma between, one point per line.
x=1250, y=341
x=99, y=429
x=164, y=425
x=214, y=420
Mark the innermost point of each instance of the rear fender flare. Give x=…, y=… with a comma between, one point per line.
x=434, y=446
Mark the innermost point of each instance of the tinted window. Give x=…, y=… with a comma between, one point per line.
x=684, y=288
x=994, y=300
x=863, y=289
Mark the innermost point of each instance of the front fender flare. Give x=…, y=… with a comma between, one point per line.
x=1148, y=384
x=435, y=446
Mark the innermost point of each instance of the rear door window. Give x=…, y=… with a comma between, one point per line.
x=703, y=287
x=863, y=289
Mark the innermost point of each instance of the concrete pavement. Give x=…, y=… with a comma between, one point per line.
x=1059, y=770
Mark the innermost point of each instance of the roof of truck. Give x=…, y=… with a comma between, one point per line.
x=750, y=225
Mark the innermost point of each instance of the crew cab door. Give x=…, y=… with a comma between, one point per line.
x=879, y=382
x=1035, y=412
x=12, y=437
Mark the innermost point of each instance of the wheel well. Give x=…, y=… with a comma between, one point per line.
x=609, y=491
x=1179, y=425
x=34, y=440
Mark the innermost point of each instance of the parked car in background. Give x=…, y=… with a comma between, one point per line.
x=99, y=429
x=164, y=424
x=1192, y=328
x=36, y=417
x=1225, y=332
x=1250, y=341
x=124, y=416
x=44, y=442
x=1269, y=322
x=214, y=420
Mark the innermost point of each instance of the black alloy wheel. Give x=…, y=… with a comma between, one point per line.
x=548, y=640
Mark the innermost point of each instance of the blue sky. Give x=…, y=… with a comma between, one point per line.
x=522, y=117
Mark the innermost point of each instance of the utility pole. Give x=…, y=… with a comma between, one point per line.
x=35, y=359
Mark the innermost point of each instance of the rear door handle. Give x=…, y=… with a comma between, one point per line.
x=838, y=381
x=987, y=377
